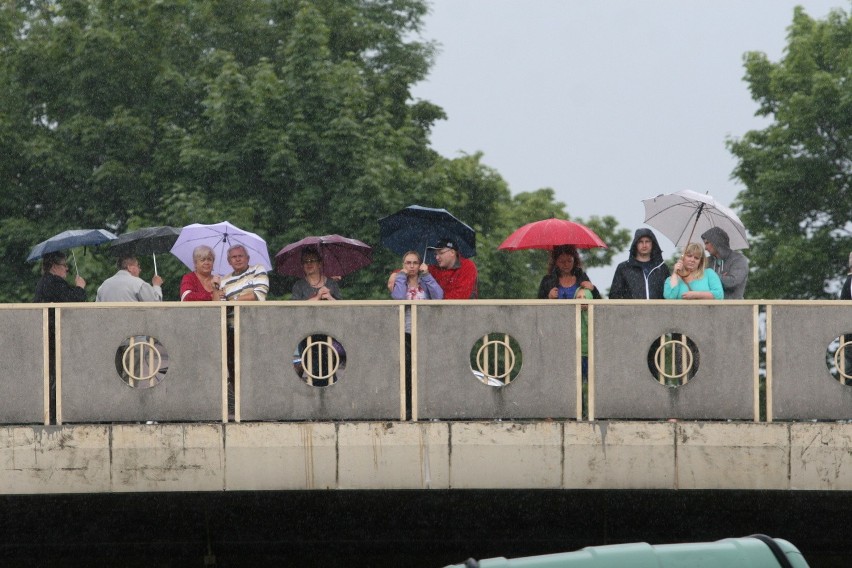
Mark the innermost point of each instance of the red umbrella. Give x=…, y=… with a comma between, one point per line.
x=340, y=256
x=551, y=233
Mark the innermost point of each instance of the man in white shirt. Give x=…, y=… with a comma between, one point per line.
x=127, y=286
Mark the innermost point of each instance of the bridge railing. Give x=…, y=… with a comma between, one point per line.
x=347, y=361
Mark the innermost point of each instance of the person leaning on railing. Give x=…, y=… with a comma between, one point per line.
x=315, y=285
x=565, y=276
x=457, y=276
x=126, y=285
x=246, y=282
x=566, y=280
x=730, y=265
x=201, y=285
x=413, y=282
x=641, y=277
x=690, y=280
x=53, y=286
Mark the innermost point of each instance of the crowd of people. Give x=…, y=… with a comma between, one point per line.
x=718, y=273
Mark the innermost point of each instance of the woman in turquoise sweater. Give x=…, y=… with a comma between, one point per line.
x=689, y=280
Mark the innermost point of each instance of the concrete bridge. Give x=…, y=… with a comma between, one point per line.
x=737, y=397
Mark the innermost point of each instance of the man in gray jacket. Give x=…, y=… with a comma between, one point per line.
x=126, y=286
x=730, y=265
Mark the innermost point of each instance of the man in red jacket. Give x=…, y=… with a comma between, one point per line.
x=456, y=275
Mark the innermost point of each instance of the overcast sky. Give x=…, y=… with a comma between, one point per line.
x=607, y=102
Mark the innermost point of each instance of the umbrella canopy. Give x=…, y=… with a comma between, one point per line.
x=416, y=227
x=150, y=240
x=70, y=239
x=340, y=255
x=220, y=237
x=551, y=233
x=682, y=215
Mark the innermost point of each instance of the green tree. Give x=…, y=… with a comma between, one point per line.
x=797, y=171
x=287, y=117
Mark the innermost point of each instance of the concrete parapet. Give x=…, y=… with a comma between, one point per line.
x=506, y=455
x=821, y=456
x=276, y=456
x=627, y=455
x=425, y=455
x=54, y=459
x=388, y=455
x=167, y=457
x=732, y=455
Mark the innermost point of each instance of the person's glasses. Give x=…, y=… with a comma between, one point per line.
x=311, y=261
x=442, y=251
x=63, y=265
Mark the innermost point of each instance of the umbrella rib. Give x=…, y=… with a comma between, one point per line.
x=670, y=207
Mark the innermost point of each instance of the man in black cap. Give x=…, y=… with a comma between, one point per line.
x=456, y=275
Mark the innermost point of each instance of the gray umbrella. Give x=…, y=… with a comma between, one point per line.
x=149, y=240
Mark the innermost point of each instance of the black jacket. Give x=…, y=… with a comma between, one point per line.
x=630, y=282
x=52, y=288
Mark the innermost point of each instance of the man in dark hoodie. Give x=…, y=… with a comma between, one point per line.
x=641, y=277
x=730, y=265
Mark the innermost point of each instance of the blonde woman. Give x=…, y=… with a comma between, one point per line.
x=201, y=285
x=689, y=280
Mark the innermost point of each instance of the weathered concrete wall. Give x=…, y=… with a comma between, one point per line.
x=92, y=389
x=723, y=387
x=22, y=363
x=545, y=386
x=368, y=387
x=802, y=387
x=426, y=455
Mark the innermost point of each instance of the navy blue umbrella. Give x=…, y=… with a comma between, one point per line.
x=416, y=227
x=68, y=240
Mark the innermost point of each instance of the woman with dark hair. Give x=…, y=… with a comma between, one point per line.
x=53, y=286
x=565, y=276
x=315, y=285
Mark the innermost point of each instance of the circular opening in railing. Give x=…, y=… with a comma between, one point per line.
x=319, y=360
x=673, y=359
x=838, y=359
x=141, y=361
x=495, y=359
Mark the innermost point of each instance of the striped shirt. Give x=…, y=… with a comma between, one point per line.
x=254, y=279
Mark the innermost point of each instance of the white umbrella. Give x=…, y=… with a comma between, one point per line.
x=682, y=214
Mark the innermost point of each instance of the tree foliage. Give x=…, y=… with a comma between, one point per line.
x=797, y=171
x=287, y=117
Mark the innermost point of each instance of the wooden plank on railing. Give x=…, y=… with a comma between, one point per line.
x=57, y=334
x=768, y=386
x=45, y=345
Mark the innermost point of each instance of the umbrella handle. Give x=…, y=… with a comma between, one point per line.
x=695, y=224
x=682, y=272
x=155, y=263
x=74, y=258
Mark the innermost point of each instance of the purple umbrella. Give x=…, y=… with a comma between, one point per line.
x=220, y=237
x=340, y=256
